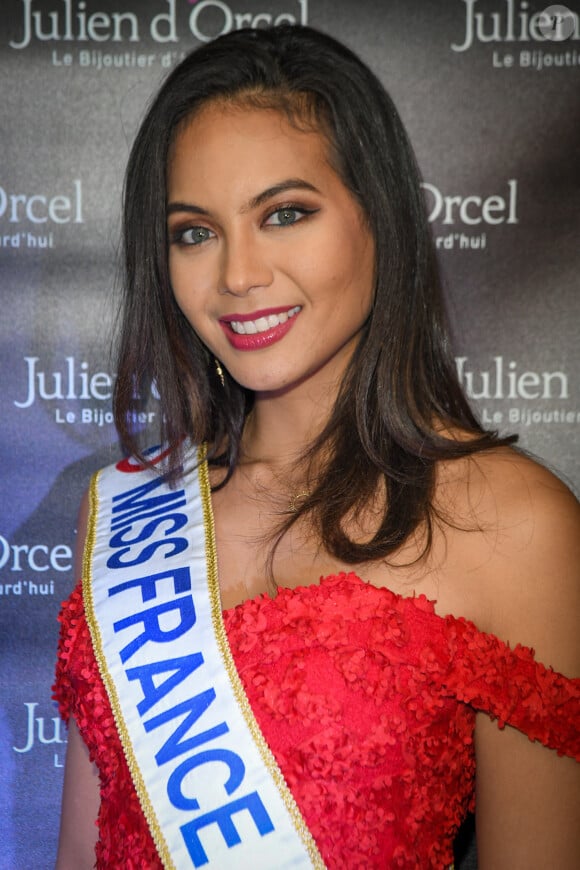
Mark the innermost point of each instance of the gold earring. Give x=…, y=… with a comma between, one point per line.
x=220, y=371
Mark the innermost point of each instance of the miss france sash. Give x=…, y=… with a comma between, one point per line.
x=210, y=788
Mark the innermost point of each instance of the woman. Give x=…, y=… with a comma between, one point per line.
x=282, y=292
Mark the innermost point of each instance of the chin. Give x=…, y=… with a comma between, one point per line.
x=266, y=383
x=269, y=388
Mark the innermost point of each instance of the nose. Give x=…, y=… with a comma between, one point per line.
x=244, y=264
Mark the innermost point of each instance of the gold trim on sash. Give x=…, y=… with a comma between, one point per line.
x=229, y=665
x=87, y=581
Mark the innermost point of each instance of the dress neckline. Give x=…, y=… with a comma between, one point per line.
x=421, y=604
x=342, y=578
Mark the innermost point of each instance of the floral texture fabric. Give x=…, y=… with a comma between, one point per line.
x=367, y=700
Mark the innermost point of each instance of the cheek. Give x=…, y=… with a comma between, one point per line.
x=189, y=287
x=353, y=247
x=332, y=262
x=365, y=269
x=184, y=304
x=353, y=272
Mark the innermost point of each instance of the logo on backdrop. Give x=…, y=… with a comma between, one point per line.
x=75, y=31
x=31, y=221
x=527, y=397
x=75, y=393
x=25, y=569
x=514, y=29
x=37, y=731
x=468, y=219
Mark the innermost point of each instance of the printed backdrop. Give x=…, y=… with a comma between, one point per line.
x=489, y=93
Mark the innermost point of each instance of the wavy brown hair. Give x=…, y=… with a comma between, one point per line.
x=400, y=398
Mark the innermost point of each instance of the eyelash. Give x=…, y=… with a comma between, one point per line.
x=290, y=206
x=177, y=237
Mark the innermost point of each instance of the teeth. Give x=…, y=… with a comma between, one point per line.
x=262, y=324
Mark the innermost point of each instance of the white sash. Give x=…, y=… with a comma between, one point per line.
x=208, y=784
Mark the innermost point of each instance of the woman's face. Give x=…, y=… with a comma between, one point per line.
x=270, y=258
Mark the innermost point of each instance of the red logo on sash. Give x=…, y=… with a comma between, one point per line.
x=130, y=465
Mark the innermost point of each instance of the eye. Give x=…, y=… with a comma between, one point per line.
x=191, y=236
x=290, y=214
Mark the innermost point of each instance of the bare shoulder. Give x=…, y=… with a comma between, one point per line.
x=521, y=498
x=516, y=534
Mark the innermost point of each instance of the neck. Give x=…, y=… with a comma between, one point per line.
x=284, y=424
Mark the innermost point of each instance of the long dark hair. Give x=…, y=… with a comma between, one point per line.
x=400, y=401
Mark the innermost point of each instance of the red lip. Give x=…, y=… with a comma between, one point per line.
x=254, y=315
x=258, y=340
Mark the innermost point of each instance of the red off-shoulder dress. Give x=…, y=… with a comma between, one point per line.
x=367, y=700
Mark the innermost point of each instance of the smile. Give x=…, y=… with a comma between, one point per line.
x=262, y=324
x=259, y=329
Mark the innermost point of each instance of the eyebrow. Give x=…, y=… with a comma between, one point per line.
x=281, y=187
